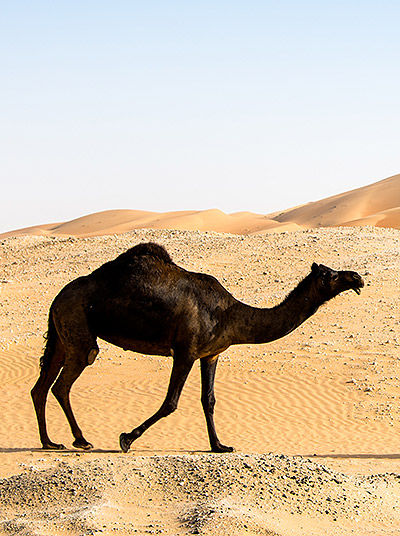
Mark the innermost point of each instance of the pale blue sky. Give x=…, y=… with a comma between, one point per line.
x=167, y=105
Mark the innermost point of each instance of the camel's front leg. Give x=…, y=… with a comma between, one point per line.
x=208, y=367
x=180, y=371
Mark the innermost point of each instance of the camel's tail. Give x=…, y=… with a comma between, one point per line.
x=50, y=346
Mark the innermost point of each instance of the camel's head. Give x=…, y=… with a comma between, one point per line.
x=332, y=282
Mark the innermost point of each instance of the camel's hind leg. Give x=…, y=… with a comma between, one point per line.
x=80, y=348
x=39, y=392
x=74, y=366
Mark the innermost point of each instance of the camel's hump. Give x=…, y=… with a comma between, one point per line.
x=149, y=248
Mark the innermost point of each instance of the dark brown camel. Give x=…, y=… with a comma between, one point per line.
x=142, y=301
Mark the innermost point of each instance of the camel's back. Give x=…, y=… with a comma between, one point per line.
x=148, y=248
x=148, y=271
x=146, y=275
x=133, y=257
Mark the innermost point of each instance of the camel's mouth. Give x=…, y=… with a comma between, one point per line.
x=358, y=284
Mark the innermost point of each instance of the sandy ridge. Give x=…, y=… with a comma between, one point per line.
x=195, y=494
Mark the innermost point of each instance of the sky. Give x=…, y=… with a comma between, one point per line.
x=175, y=105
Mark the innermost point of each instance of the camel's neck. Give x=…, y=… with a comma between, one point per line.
x=264, y=325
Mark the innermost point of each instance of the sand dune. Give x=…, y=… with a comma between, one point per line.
x=120, y=221
x=377, y=204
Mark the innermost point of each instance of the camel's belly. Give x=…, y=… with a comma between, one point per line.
x=141, y=347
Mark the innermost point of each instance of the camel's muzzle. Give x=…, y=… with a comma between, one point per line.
x=357, y=283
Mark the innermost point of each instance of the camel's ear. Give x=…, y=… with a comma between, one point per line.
x=315, y=268
x=328, y=273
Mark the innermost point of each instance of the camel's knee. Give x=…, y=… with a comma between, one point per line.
x=58, y=391
x=39, y=391
x=208, y=403
x=61, y=389
x=35, y=394
x=167, y=408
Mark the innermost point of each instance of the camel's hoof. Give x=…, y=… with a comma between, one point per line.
x=222, y=448
x=124, y=443
x=53, y=446
x=82, y=444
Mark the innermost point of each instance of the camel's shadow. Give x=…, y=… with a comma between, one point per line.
x=59, y=452
x=149, y=452
x=353, y=456
x=142, y=452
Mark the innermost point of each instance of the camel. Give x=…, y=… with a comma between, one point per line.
x=142, y=301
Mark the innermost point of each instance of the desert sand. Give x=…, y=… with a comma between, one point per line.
x=314, y=417
x=377, y=204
